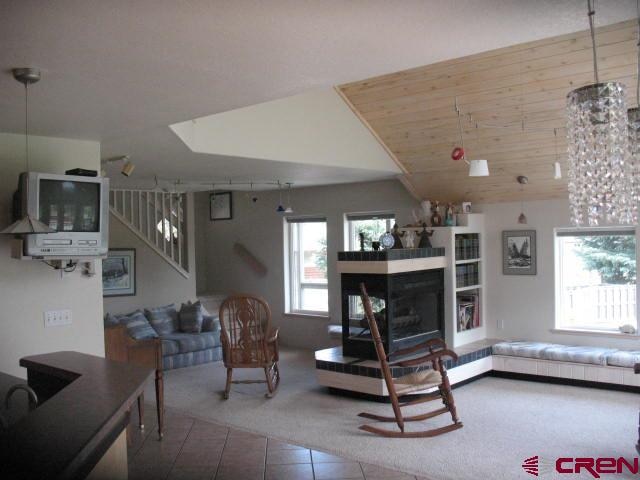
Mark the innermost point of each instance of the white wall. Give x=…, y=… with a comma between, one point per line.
x=28, y=288
x=157, y=282
x=522, y=307
x=260, y=229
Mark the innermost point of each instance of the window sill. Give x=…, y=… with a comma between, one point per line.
x=315, y=316
x=595, y=333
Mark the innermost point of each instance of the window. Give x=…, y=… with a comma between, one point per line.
x=371, y=224
x=595, y=279
x=307, y=265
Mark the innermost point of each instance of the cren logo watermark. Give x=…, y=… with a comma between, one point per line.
x=593, y=466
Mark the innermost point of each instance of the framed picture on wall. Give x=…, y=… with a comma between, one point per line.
x=220, y=206
x=519, y=252
x=119, y=273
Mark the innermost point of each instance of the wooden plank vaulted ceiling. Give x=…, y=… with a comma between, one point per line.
x=413, y=113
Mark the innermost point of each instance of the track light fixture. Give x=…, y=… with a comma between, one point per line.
x=127, y=167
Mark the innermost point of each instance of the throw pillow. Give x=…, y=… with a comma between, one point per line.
x=210, y=323
x=164, y=320
x=138, y=326
x=191, y=317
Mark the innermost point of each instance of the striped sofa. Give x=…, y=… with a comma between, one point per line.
x=179, y=349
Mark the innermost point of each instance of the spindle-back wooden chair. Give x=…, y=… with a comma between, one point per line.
x=248, y=341
x=412, y=383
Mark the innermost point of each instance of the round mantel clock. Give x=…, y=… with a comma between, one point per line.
x=387, y=240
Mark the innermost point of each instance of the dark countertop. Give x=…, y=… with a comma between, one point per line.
x=84, y=407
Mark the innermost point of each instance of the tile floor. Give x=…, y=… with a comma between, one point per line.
x=198, y=450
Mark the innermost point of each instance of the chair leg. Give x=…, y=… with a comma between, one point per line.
x=227, y=387
x=160, y=402
x=141, y=411
x=270, y=388
x=276, y=375
x=449, y=402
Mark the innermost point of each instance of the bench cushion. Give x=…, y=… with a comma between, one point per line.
x=522, y=349
x=189, y=342
x=624, y=358
x=563, y=353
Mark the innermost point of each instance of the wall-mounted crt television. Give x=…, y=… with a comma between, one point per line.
x=77, y=208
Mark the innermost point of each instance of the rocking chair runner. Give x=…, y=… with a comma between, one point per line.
x=248, y=341
x=413, y=382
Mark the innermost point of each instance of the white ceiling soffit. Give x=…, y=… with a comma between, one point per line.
x=314, y=128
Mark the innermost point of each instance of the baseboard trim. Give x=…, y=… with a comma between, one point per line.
x=562, y=381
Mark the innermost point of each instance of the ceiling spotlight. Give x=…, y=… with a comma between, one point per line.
x=289, y=209
x=127, y=167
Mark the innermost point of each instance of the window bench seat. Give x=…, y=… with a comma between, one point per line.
x=575, y=363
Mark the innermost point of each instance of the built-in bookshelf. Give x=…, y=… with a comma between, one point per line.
x=464, y=279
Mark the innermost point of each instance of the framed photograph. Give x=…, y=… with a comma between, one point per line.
x=220, y=206
x=466, y=207
x=519, y=252
x=119, y=273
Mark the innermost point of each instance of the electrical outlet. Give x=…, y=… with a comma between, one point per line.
x=57, y=318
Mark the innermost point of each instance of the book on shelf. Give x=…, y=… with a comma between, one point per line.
x=468, y=311
x=467, y=246
x=467, y=274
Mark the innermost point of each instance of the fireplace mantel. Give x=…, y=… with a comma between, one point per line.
x=386, y=267
x=387, y=262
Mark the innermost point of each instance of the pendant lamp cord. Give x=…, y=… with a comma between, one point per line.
x=638, y=45
x=592, y=13
x=464, y=154
x=26, y=124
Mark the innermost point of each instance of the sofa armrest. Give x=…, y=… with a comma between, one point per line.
x=120, y=347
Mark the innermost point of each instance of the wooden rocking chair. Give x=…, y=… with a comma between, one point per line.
x=248, y=341
x=413, y=382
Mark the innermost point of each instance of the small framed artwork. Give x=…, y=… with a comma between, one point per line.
x=519, y=252
x=119, y=273
x=466, y=207
x=220, y=206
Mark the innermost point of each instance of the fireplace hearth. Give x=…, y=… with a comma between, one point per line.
x=408, y=307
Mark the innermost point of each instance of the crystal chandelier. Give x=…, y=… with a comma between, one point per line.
x=602, y=177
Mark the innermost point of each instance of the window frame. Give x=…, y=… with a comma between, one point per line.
x=350, y=235
x=558, y=233
x=349, y=218
x=293, y=286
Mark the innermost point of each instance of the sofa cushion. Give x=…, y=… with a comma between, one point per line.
x=192, y=358
x=138, y=326
x=522, y=349
x=211, y=323
x=191, y=317
x=169, y=347
x=190, y=342
x=564, y=353
x=624, y=358
x=164, y=320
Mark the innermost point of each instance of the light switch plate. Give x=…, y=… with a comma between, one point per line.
x=57, y=318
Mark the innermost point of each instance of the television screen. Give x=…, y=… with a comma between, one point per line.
x=70, y=206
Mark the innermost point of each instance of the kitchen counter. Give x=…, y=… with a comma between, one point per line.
x=84, y=408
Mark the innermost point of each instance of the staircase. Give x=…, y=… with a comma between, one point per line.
x=158, y=219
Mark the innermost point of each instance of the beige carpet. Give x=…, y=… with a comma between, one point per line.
x=505, y=421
